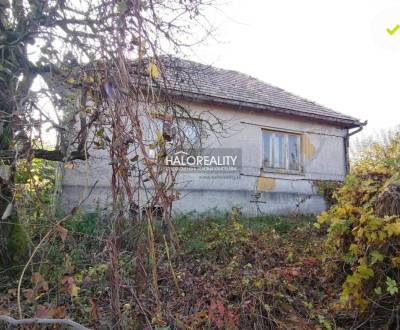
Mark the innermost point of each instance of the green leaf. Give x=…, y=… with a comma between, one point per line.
x=324, y=322
x=375, y=257
x=378, y=290
x=365, y=272
x=391, y=286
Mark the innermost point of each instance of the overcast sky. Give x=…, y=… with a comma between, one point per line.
x=336, y=53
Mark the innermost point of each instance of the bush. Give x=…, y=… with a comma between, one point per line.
x=327, y=190
x=364, y=234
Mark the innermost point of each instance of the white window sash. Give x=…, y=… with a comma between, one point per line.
x=270, y=164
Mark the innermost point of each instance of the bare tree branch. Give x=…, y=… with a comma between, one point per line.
x=53, y=155
x=64, y=322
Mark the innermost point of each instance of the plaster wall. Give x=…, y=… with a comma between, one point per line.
x=253, y=189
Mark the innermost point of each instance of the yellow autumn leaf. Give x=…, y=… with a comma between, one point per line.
x=88, y=79
x=382, y=235
x=362, y=303
x=154, y=72
x=258, y=284
x=73, y=290
x=393, y=228
x=396, y=228
x=159, y=137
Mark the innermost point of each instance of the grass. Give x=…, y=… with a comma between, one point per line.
x=281, y=224
x=194, y=228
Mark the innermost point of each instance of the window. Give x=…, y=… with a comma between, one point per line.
x=183, y=133
x=187, y=133
x=281, y=151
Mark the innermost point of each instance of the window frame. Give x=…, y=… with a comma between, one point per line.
x=286, y=135
x=165, y=125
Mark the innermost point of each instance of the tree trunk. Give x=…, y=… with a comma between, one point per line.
x=8, y=217
x=13, y=96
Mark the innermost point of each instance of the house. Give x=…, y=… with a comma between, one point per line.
x=282, y=143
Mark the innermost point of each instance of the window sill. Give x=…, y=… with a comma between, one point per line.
x=281, y=171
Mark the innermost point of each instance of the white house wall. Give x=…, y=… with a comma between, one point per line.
x=322, y=158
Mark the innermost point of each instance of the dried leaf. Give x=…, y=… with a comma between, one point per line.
x=4, y=311
x=94, y=313
x=67, y=280
x=29, y=295
x=36, y=278
x=59, y=312
x=12, y=292
x=290, y=287
x=71, y=286
x=50, y=312
x=67, y=264
x=44, y=312
x=63, y=232
x=42, y=286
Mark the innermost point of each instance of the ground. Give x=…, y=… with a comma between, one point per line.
x=229, y=273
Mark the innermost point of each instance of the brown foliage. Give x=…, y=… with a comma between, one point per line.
x=388, y=201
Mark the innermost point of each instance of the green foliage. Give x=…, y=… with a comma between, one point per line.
x=218, y=234
x=36, y=185
x=18, y=241
x=391, y=286
x=84, y=223
x=361, y=240
x=33, y=197
x=380, y=155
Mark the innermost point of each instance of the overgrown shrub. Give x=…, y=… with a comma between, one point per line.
x=33, y=198
x=364, y=234
x=327, y=190
x=230, y=273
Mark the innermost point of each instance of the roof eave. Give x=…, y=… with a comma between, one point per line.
x=335, y=121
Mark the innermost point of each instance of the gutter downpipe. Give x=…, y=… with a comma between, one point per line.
x=347, y=145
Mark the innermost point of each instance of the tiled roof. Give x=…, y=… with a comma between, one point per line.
x=203, y=82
